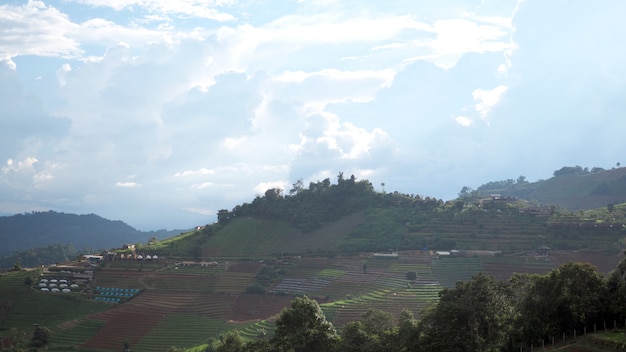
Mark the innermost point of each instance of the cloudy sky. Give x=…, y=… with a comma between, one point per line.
x=160, y=112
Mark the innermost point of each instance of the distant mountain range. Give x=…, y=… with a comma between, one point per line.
x=40, y=229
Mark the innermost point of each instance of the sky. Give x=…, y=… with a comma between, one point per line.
x=159, y=112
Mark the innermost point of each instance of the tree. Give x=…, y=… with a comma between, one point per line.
x=223, y=217
x=376, y=321
x=354, y=338
x=298, y=187
x=303, y=327
x=372, y=332
x=474, y=316
x=568, y=298
x=459, y=205
x=411, y=276
x=231, y=342
x=616, y=291
x=407, y=333
x=40, y=338
x=465, y=191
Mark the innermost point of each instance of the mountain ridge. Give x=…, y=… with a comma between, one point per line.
x=39, y=229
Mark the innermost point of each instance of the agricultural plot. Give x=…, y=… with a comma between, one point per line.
x=502, y=268
x=70, y=335
x=449, y=270
x=186, y=306
x=181, y=330
x=47, y=309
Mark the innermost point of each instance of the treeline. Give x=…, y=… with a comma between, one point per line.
x=483, y=314
x=576, y=170
x=308, y=208
x=55, y=253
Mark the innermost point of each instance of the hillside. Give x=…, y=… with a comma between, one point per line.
x=345, y=245
x=572, y=188
x=40, y=229
x=273, y=225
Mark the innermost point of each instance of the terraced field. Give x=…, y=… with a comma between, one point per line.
x=173, y=305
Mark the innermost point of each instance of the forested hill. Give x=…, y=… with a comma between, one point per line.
x=40, y=229
x=307, y=208
x=571, y=187
x=350, y=216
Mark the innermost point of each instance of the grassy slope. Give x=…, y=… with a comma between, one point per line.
x=252, y=237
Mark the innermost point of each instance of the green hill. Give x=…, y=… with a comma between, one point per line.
x=572, y=188
x=350, y=217
x=343, y=244
x=37, y=236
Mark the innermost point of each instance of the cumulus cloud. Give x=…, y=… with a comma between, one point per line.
x=463, y=120
x=36, y=29
x=207, y=103
x=487, y=99
x=264, y=186
x=24, y=165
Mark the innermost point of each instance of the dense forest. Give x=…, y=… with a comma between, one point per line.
x=308, y=208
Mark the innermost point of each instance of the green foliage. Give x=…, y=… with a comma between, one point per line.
x=303, y=327
x=33, y=257
x=255, y=288
x=307, y=209
x=41, y=336
x=474, y=316
x=566, y=299
x=232, y=342
x=411, y=275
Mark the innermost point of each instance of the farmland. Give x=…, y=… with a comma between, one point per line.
x=186, y=305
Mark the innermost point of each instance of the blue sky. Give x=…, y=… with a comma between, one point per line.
x=159, y=113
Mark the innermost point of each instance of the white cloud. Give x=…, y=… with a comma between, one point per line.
x=36, y=29
x=199, y=172
x=264, y=186
x=205, y=113
x=463, y=121
x=201, y=211
x=487, y=99
x=8, y=63
x=127, y=184
x=202, y=185
x=24, y=165
x=329, y=141
x=193, y=8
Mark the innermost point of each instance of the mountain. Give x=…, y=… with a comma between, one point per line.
x=571, y=187
x=40, y=229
